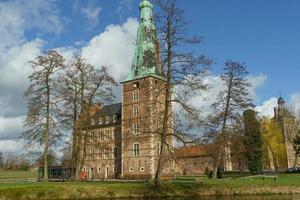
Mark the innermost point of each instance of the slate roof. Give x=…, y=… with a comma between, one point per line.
x=109, y=110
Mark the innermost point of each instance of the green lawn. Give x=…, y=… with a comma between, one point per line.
x=16, y=174
x=183, y=186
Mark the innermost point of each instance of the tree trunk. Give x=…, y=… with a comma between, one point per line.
x=46, y=135
x=223, y=132
x=167, y=102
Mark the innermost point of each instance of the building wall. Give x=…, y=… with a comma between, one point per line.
x=290, y=129
x=103, y=157
x=194, y=165
x=149, y=120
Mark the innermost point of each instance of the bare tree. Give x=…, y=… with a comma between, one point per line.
x=229, y=106
x=41, y=121
x=83, y=86
x=184, y=76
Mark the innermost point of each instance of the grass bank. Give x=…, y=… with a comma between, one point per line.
x=285, y=184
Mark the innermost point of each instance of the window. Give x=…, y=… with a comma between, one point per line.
x=92, y=154
x=107, y=120
x=136, y=96
x=136, y=128
x=101, y=153
x=107, y=135
x=136, y=85
x=92, y=122
x=115, y=118
x=136, y=149
x=131, y=169
x=106, y=153
x=100, y=120
x=142, y=169
x=135, y=111
x=101, y=135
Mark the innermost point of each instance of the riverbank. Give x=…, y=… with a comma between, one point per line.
x=284, y=184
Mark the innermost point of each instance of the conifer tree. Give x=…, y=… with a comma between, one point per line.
x=253, y=141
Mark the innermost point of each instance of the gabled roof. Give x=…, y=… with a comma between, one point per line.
x=109, y=110
x=191, y=151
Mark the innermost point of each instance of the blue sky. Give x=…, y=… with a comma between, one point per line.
x=265, y=34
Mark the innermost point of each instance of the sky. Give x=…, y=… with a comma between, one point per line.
x=264, y=34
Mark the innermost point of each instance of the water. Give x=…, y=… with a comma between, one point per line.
x=248, y=197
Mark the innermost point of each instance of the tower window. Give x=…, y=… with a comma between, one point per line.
x=135, y=111
x=136, y=96
x=136, y=85
x=136, y=128
x=136, y=149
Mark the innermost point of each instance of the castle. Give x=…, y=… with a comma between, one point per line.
x=289, y=127
x=127, y=143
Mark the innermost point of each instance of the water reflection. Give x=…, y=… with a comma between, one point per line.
x=254, y=197
x=249, y=197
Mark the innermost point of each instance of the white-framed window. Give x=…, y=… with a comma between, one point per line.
x=136, y=149
x=142, y=169
x=101, y=135
x=100, y=153
x=135, y=128
x=130, y=169
x=136, y=111
x=107, y=134
x=135, y=95
x=98, y=169
x=106, y=153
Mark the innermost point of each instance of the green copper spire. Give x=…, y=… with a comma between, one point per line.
x=146, y=60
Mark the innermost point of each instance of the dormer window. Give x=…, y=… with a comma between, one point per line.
x=115, y=118
x=107, y=120
x=100, y=120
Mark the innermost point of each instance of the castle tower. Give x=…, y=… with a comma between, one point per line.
x=289, y=126
x=142, y=103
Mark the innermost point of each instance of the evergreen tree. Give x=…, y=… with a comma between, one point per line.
x=253, y=141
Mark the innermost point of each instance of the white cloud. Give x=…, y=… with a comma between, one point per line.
x=14, y=70
x=10, y=128
x=205, y=100
x=17, y=17
x=266, y=109
x=294, y=104
x=10, y=146
x=124, y=6
x=91, y=13
x=114, y=48
x=256, y=83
